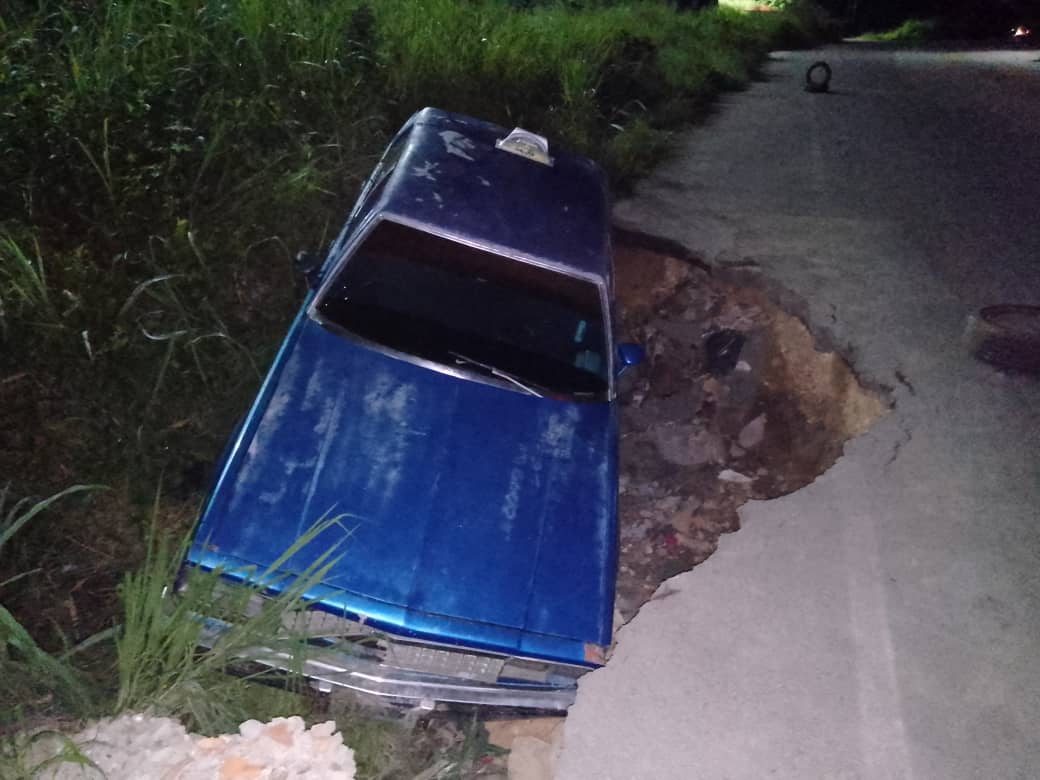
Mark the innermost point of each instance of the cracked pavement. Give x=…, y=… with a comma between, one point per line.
x=883, y=622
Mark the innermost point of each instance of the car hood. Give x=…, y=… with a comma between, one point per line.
x=465, y=503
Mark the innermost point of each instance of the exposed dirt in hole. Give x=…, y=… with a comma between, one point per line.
x=695, y=444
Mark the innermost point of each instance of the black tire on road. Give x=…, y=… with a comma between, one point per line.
x=818, y=77
x=1008, y=336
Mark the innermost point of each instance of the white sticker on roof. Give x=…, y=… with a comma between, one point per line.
x=526, y=144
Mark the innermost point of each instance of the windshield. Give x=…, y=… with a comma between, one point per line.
x=531, y=328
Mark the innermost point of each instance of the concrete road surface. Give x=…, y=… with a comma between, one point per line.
x=885, y=621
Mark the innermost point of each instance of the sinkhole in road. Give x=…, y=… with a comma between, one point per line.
x=699, y=439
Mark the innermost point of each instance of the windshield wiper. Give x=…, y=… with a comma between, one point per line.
x=497, y=372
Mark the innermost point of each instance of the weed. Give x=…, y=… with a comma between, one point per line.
x=910, y=31
x=636, y=146
x=25, y=756
x=159, y=663
x=23, y=284
x=33, y=676
x=384, y=746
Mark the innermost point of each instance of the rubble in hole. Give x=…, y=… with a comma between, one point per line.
x=733, y=402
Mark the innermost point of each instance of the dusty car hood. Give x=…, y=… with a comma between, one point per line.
x=476, y=514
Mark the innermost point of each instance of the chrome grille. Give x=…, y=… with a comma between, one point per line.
x=444, y=663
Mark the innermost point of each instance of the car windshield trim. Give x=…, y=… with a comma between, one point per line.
x=432, y=299
x=448, y=368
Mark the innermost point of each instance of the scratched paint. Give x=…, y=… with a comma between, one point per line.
x=558, y=435
x=457, y=144
x=273, y=417
x=511, y=502
x=425, y=171
x=387, y=401
x=330, y=421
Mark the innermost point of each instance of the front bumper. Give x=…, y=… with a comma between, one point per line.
x=479, y=679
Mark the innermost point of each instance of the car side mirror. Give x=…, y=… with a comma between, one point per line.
x=629, y=355
x=308, y=264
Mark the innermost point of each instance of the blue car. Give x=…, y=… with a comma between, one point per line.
x=449, y=388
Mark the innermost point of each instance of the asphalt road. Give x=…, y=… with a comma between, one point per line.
x=885, y=621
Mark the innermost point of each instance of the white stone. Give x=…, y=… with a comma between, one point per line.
x=752, y=434
x=729, y=475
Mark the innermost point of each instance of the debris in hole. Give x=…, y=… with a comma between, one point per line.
x=729, y=475
x=696, y=442
x=751, y=435
x=723, y=351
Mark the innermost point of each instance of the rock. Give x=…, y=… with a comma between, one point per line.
x=139, y=746
x=503, y=733
x=530, y=759
x=666, y=377
x=722, y=350
x=729, y=475
x=251, y=729
x=751, y=435
x=280, y=733
x=638, y=396
x=237, y=768
x=533, y=743
x=326, y=729
x=687, y=445
x=738, y=316
x=682, y=522
x=668, y=504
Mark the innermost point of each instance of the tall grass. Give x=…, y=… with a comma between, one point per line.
x=41, y=754
x=577, y=75
x=31, y=675
x=199, y=144
x=160, y=666
x=911, y=31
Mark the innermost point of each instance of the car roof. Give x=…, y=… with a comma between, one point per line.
x=452, y=180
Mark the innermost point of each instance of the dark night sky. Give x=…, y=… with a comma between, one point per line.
x=969, y=17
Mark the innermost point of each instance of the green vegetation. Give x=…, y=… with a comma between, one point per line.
x=910, y=31
x=162, y=162
x=159, y=665
x=32, y=675
x=18, y=759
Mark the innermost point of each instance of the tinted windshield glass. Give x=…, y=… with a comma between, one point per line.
x=444, y=301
